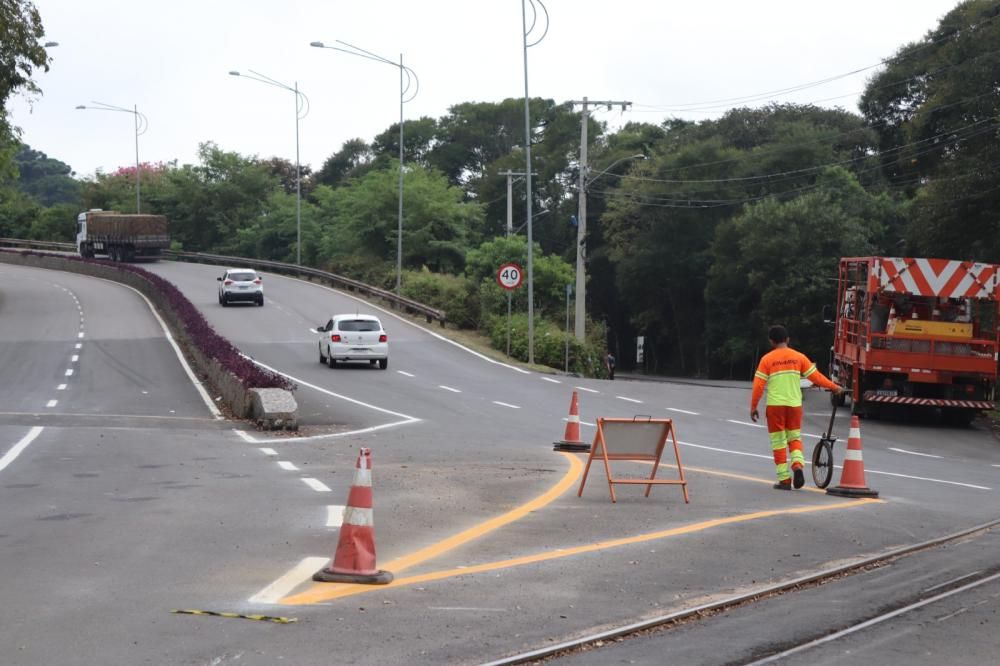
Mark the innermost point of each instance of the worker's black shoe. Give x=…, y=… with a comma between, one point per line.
x=783, y=485
x=799, y=477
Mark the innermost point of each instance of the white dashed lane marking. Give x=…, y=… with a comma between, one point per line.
x=752, y=425
x=61, y=387
x=505, y=404
x=549, y=379
x=74, y=358
x=52, y=403
x=316, y=485
x=79, y=345
x=448, y=388
x=287, y=466
x=405, y=374
x=69, y=372
x=584, y=388
x=621, y=397
x=268, y=452
x=914, y=453
x=334, y=515
x=592, y=425
x=682, y=411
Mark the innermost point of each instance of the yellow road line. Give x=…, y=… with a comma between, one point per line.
x=326, y=593
x=424, y=554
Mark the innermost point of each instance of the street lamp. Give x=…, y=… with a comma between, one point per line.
x=301, y=111
x=581, y=240
x=141, y=125
x=404, y=96
x=525, y=31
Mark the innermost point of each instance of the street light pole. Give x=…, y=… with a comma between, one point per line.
x=301, y=111
x=141, y=125
x=525, y=31
x=404, y=96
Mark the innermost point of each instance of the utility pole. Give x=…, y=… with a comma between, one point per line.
x=581, y=217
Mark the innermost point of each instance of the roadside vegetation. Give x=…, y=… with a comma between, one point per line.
x=727, y=226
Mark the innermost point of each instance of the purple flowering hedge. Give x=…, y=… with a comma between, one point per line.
x=198, y=332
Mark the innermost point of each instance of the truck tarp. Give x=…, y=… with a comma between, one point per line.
x=146, y=230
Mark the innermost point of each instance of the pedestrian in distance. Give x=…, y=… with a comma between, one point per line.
x=609, y=364
x=781, y=371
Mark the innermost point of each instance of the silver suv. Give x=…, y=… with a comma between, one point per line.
x=240, y=284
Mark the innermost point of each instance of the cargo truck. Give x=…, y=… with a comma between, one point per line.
x=916, y=333
x=119, y=236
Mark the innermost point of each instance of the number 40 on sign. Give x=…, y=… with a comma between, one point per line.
x=510, y=276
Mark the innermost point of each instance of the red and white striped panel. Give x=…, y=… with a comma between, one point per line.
x=945, y=278
x=929, y=402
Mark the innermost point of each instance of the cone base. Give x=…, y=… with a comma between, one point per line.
x=843, y=491
x=380, y=577
x=571, y=446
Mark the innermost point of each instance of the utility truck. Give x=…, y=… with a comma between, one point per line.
x=917, y=333
x=121, y=237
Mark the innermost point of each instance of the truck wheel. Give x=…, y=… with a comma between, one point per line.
x=961, y=418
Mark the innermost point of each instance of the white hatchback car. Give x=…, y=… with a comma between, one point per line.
x=353, y=337
x=240, y=284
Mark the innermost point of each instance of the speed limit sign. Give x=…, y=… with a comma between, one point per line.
x=510, y=276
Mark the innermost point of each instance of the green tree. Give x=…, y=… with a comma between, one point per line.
x=45, y=178
x=21, y=54
x=348, y=162
x=361, y=218
x=935, y=109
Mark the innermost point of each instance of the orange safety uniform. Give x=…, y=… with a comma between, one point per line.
x=781, y=371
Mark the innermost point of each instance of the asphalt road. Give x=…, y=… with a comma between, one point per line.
x=475, y=514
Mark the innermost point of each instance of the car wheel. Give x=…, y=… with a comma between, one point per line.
x=260, y=301
x=383, y=363
x=329, y=359
x=225, y=301
x=322, y=359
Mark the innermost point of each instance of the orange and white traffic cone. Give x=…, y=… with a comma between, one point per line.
x=571, y=438
x=852, y=479
x=354, y=561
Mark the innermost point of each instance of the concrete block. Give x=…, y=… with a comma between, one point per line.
x=274, y=409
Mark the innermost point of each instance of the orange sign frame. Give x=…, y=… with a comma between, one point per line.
x=653, y=453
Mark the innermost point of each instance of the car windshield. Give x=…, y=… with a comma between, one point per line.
x=242, y=277
x=359, y=325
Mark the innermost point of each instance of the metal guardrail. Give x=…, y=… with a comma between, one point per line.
x=398, y=302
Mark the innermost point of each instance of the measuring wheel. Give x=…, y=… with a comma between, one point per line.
x=822, y=463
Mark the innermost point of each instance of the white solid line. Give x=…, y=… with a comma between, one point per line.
x=584, y=388
x=268, y=452
x=335, y=515
x=61, y=387
x=300, y=382
x=621, y=397
x=245, y=437
x=52, y=403
x=682, y=411
x=78, y=345
x=914, y=453
x=297, y=575
x=747, y=423
x=80, y=334
x=316, y=485
x=69, y=372
x=549, y=379
x=467, y=608
x=405, y=374
x=505, y=404
x=287, y=466
x=74, y=358
x=15, y=451
x=448, y=388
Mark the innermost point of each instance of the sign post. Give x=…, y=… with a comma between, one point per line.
x=509, y=276
x=641, y=438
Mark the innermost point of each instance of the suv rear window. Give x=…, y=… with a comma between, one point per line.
x=242, y=277
x=358, y=325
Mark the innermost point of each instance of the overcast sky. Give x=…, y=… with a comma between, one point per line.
x=171, y=59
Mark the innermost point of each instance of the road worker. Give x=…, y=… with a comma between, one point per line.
x=781, y=371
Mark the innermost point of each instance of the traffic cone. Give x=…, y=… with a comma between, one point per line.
x=354, y=561
x=852, y=479
x=571, y=438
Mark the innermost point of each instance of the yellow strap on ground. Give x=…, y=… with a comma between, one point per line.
x=259, y=618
